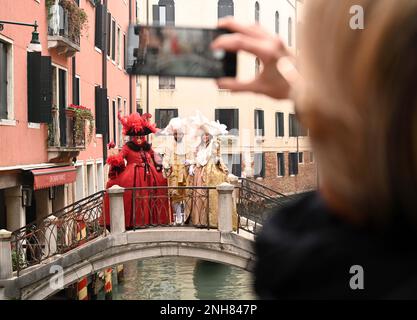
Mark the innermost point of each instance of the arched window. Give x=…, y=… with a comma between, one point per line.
x=257, y=11
x=290, y=32
x=225, y=8
x=277, y=22
x=257, y=66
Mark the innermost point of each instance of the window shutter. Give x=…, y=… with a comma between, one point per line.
x=46, y=90
x=102, y=110
x=217, y=115
x=158, y=118
x=263, y=166
x=34, y=70
x=262, y=122
x=108, y=33
x=39, y=88
x=98, y=40
x=281, y=124
x=3, y=81
x=236, y=119
x=175, y=113
x=170, y=14
x=155, y=14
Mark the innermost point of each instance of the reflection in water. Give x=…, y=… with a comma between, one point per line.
x=176, y=278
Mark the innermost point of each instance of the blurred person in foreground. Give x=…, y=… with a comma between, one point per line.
x=356, y=91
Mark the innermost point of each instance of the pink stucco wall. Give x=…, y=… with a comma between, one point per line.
x=21, y=145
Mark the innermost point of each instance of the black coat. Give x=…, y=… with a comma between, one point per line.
x=304, y=251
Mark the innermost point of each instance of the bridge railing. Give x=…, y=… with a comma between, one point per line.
x=255, y=204
x=57, y=233
x=159, y=206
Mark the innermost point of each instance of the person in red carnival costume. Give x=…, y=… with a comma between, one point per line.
x=143, y=168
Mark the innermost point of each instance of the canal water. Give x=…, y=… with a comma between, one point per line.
x=178, y=278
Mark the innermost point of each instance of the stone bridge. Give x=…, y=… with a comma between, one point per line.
x=222, y=245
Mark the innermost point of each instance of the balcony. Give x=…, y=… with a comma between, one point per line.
x=62, y=35
x=64, y=142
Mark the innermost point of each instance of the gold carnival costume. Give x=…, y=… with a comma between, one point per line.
x=207, y=169
x=176, y=155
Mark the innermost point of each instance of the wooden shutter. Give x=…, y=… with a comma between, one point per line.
x=108, y=33
x=170, y=13
x=3, y=81
x=39, y=88
x=101, y=110
x=262, y=121
x=98, y=40
x=235, y=119
x=155, y=14
x=175, y=113
x=158, y=118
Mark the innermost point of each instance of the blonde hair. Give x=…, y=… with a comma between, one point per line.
x=360, y=103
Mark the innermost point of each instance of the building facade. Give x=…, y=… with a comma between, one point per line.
x=265, y=140
x=48, y=159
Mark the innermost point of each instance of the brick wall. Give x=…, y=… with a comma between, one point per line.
x=305, y=180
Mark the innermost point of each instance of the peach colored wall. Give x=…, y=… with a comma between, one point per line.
x=21, y=145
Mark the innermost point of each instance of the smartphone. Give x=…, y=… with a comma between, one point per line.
x=180, y=52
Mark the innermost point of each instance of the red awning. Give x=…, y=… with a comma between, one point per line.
x=45, y=178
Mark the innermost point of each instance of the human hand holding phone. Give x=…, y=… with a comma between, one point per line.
x=278, y=74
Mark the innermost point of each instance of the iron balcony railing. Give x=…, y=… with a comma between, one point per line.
x=62, y=131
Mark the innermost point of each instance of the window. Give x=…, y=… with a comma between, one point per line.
x=290, y=32
x=296, y=130
x=113, y=40
x=109, y=21
x=257, y=11
x=293, y=163
x=300, y=157
x=166, y=82
x=98, y=34
x=280, y=165
x=163, y=116
x=257, y=66
x=228, y=117
x=277, y=22
x=279, y=124
x=233, y=163
x=76, y=91
x=124, y=52
x=6, y=81
x=114, y=120
x=119, y=124
x=225, y=8
x=118, y=46
x=259, y=123
x=164, y=14
x=293, y=125
x=259, y=165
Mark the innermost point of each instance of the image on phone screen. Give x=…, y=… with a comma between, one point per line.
x=181, y=52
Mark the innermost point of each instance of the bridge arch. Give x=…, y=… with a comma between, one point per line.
x=226, y=248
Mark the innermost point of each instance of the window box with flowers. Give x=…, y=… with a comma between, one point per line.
x=80, y=115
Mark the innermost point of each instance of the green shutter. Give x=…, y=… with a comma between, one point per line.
x=39, y=88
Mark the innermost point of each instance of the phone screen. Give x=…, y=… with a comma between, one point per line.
x=181, y=52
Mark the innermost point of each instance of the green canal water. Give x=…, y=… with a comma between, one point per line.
x=177, y=278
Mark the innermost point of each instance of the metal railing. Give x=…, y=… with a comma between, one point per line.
x=65, y=137
x=59, y=232
x=255, y=204
x=59, y=25
x=157, y=206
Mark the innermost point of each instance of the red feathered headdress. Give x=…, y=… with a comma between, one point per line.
x=137, y=125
